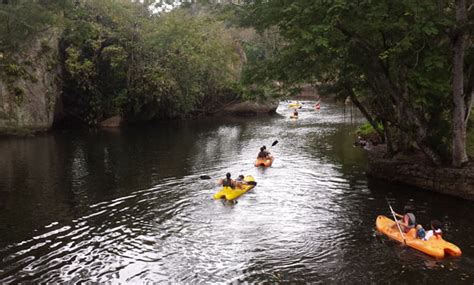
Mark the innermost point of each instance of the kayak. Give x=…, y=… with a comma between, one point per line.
x=293, y=117
x=435, y=246
x=295, y=105
x=229, y=193
x=265, y=162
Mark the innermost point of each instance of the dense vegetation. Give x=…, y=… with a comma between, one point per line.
x=406, y=65
x=119, y=57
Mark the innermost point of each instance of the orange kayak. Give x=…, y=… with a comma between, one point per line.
x=435, y=246
x=265, y=162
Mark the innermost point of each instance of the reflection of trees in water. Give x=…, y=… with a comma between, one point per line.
x=31, y=180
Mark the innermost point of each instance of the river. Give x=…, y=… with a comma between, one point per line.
x=128, y=206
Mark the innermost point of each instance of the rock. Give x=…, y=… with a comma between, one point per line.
x=112, y=122
x=251, y=108
x=29, y=86
x=416, y=171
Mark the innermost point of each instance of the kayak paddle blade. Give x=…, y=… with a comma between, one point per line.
x=205, y=177
x=274, y=143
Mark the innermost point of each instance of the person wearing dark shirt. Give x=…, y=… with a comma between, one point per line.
x=227, y=181
x=263, y=153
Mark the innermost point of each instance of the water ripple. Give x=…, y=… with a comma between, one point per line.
x=310, y=218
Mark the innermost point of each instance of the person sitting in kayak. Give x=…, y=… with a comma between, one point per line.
x=295, y=113
x=435, y=230
x=227, y=181
x=240, y=181
x=263, y=153
x=420, y=232
x=408, y=220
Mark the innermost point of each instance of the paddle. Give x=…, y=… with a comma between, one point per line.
x=273, y=144
x=205, y=177
x=395, y=219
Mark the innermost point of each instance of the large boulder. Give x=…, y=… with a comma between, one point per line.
x=251, y=108
x=112, y=122
x=29, y=86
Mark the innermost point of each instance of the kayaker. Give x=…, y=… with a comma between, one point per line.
x=435, y=230
x=408, y=220
x=295, y=113
x=240, y=178
x=227, y=181
x=240, y=181
x=420, y=232
x=263, y=153
x=265, y=149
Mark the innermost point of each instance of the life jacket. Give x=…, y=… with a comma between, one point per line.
x=420, y=233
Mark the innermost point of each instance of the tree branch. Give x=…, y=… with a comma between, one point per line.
x=364, y=111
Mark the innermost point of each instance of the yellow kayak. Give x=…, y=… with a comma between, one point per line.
x=295, y=105
x=435, y=246
x=229, y=193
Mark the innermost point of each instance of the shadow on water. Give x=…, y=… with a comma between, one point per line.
x=128, y=206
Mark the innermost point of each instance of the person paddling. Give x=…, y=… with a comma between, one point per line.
x=263, y=153
x=295, y=113
x=265, y=149
x=227, y=181
x=408, y=220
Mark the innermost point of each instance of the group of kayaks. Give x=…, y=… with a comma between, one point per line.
x=229, y=193
x=435, y=246
x=297, y=105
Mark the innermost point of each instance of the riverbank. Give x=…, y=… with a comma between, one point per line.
x=415, y=170
x=235, y=109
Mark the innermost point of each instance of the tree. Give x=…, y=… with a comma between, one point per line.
x=120, y=58
x=391, y=57
x=461, y=108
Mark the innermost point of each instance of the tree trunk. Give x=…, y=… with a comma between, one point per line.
x=459, y=155
x=366, y=114
x=388, y=138
x=469, y=98
x=380, y=77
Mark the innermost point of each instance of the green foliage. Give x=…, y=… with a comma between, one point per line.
x=197, y=56
x=119, y=58
x=394, y=56
x=21, y=20
x=366, y=129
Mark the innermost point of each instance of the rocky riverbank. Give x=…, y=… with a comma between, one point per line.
x=250, y=108
x=30, y=88
x=415, y=170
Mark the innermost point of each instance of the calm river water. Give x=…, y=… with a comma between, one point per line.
x=128, y=206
